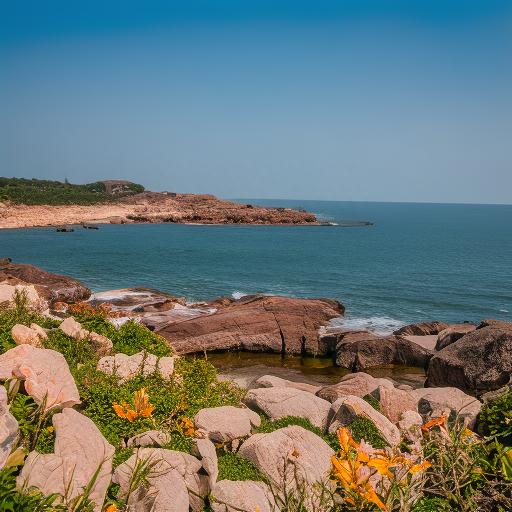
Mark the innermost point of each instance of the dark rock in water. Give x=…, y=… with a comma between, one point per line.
x=478, y=362
x=65, y=230
x=90, y=226
x=255, y=323
x=360, y=350
x=421, y=329
x=452, y=334
x=53, y=287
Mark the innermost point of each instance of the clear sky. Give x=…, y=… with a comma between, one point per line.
x=345, y=100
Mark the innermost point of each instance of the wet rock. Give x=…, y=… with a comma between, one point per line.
x=255, y=323
x=149, y=438
x=53, y=287
x=23, y=335
x=280, y=402
x=270, y=381
x=227, y=423
x=242, y=496
x=421, y=329
x=452, y=333
x=358, y=351
x=8, y=428
x=356, y=384
x=45, y=373
x=480, y=361
x=349, y=408
x=433, y=402
x=289, y=456
x=80, y=452
x=128, y=367
x=175, y=481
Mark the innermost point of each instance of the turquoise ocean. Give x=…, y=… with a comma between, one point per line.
x=417, y=262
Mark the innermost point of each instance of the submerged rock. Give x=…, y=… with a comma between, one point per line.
x=280, y=402
x=256, y=323
x=45, y=372
x=82, y=456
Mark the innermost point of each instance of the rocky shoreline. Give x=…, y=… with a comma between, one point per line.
x=152, y=207
x=109, y=396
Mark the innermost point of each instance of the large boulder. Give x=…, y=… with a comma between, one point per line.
x=70, y=327
x=434, y=402
x=8, y=428
x=241, y=496
x=45, y=372
x=255, y=323
x=361, y=350
x=226, y=423
x=175, y=481
x=53, y=287
x=478, y=362
x=394, y=402
x=81, y=457
x=452, y=333
x=280, y=402
x=349, y=408
x=356, y=384
x=289, y=456
x=126, y=367
x=271, y=381
x=421, y=329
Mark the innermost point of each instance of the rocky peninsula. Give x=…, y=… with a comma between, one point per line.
x=109, y=404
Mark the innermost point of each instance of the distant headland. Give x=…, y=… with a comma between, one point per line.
x=32, y=202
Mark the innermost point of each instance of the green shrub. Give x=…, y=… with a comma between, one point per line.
x=234, y=467
x=495, y=418
x=363, y=428
x=372, y=401
x=429, y=504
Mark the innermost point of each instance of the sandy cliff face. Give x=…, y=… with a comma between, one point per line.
x=151, y=207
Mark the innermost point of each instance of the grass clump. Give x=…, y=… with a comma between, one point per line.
x=363, y=428
x=234, y=467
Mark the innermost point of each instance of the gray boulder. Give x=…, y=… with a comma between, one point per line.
x=8, y=428
x=241, y=496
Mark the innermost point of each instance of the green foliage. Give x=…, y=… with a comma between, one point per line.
x=133, y=337
x=26, y=500
x=32, y=191
x=432, y=504
x=495, y=418
x=372, y=401
x=180, y=442
x=363, y=428
x=234, y=467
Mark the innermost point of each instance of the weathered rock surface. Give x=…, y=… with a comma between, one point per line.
x=45, y=373
x=70, y=327
x=175, y=483
x=410, y=427
x=127, y=367
x=10, y=286
x=226, y=423
x=394, y=402
x=23, y=335
x=289, y=456
x=453, y=333
x=356, y=384
x=100, y=344
x=205, y=451
x=280, y=402
x=478, y=362
x=433, y=402
x=349, y=408
x=242, y=496
x=149, y=438
x=421, y=329
x=358, y=351
x=40, y=331
x=53, y=287
x=428, y=341
x=256, y=323
x=80, y=451
x=8, y=428
x=271, y=381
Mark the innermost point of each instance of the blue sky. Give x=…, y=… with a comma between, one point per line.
x=348, y=100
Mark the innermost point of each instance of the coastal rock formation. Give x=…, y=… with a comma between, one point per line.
x=478, y=362
x=421, y=329
x=206, y=452
x=394, y=402
x=227, y=423
x=360, y=350
x=242, y=496
x=347, y=409
x=280, y=402
x=270, y=381
x=264, y=324
x=23, y=335
x=289, y=456
x=8, y=428
x=52, y=287
x=81, y=453
x=175, y=481
x=452, y=333
x=45, y=373
x=356, y=384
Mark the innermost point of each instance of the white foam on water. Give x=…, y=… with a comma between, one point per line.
x=504, y=311
x=238, y=295
x=377, y=324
